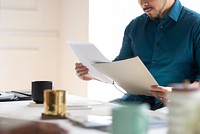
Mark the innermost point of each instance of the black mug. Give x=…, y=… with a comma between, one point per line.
x=38, y=88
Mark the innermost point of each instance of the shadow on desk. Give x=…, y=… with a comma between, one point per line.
x=17, y=126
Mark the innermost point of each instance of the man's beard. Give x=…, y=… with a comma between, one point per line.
x=156, y=18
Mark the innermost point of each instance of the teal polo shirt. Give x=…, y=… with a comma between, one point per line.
x=170, y=49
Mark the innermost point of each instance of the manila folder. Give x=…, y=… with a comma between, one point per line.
x=130, y=74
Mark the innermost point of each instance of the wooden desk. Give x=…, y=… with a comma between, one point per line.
x=23, y=110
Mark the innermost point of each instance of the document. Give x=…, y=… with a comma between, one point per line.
x=130, y=74
x=88, y=54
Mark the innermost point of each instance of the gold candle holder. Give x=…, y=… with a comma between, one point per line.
x=55, y=104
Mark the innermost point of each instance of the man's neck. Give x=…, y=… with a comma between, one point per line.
x=168, y=7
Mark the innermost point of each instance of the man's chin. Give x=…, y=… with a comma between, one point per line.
x=155, y=18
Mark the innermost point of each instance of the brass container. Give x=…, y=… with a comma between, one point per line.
x=55, y=102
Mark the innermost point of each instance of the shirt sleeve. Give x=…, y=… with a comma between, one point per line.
x=126, y=50
x=196, y=37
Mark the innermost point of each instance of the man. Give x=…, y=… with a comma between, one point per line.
x=167, y=39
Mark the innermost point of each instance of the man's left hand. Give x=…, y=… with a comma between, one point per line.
x=161, y=93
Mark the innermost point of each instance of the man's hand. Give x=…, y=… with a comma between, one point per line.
x=161, y=93
x=83, y=72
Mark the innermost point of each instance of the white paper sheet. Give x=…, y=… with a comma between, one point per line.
x=88, y=54
x=158, y=119
x=130, y=74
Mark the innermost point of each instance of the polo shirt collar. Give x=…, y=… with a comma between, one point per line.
x=175, y=11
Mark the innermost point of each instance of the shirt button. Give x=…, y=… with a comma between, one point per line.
x=161, y=27
x=154, y=62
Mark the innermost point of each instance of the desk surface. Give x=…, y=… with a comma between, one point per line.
x=25, y=110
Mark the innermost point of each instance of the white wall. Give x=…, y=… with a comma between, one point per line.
x=33, y=35
x=28, y=42
x=74, y=27
x=192, y=4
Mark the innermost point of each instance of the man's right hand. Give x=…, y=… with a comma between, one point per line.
x=83, y=72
